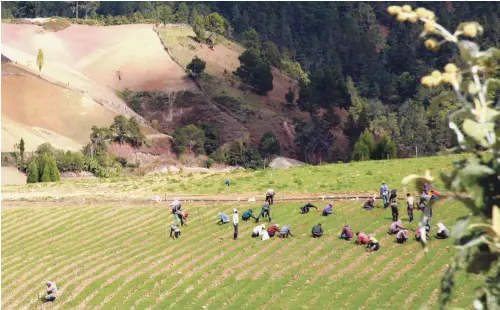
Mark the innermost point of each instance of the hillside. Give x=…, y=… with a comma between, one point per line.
x=79, y=80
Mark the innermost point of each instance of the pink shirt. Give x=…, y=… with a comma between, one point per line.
x=363, y=238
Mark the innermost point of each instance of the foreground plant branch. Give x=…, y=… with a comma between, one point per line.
x=478, y=177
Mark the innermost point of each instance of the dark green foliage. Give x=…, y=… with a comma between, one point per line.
x=165, y=14
x=21, y=149
x=70, y=161
x=241, y=154
x=212, y=139
x=45, y=148
x=196, y=67
x=251, y=39
x=45, y=177
x=255, y=72
x=215, y=24
x=182, y=13
x=32, y=172
x=314, y=140
x=385, y=149
x=55, y=175
x=209, y=163
x=364, y=147
x=190, y=139
x=199, y=28
x=219, y=156
x=127, y=131
x=271, y=54
x=269, y=145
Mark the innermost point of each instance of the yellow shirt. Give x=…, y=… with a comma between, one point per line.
x=373, y=240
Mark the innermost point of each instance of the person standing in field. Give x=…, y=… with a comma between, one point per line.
x=224, y=218
x=51, y=291
x=409, y=206
x=305, y=208
x=317, y=231
x=270, y=197
x=235, y=224
x=346, y=233
x=384, y=194
x=395, y=211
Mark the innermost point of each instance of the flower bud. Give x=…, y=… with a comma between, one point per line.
x=426, y=80
x=394, y=10
x=446, y=77
x=470, y=30
x=436, y=74
x=430, y=26
x=450, y=68
x=431, y=44
x=412, y=18
x=421, y=12
x=406, y=8
x=402, y=17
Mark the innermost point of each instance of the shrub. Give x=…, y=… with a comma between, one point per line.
x=364, y=147
x=209, y=163
x=294, y=70
x=32, y=172
x=196, y=67
x=385, y=149
x=269, y=145
x=255, y=72
x=190, y=139
x=56, y=24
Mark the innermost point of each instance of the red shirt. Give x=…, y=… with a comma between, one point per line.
x=272, y=230
x=363, y=238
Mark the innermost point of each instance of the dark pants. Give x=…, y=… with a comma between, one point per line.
x=235, y=236
x=401, y=240
x=385, y=199
x=49, y=298
x=284, y=235
x=441, y=236
x=177, y=234
x=245, y=218
x=410, y=213
x=221, y=222
x=317, y=235
x=264, y=213
x=270, y=199
x=375, y=246
x=271, y=234
x=304, y=210
x=344, y=236
x=395, y=213
x=326, y=213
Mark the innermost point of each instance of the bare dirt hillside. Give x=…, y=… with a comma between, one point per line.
x=12, y=176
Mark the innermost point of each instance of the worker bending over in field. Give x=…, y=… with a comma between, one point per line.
x=369, y=204
x=346, y=233
x=443, y=232
x=257, y=231
x=235, y=224
x=175, y=232
x=362, y=238
x=247, y=215
x=409, y=206
x=384, y=194
x=394, y=196
x=177, y=210
x=402, y=236
x=328, y=209
x=317, y=231
x=395, y=227
x=305, y=209
x=418, y=234
x=264, y=212
x=51, y=291
x=395, y=211
x=373, y=245
x=273, y=229
x=286, y=231
x=270, y=197
x=224, y=218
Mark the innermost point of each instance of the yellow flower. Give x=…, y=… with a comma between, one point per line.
x=394, y=10
x=436, y=74
x=412, y=18
x=446, y=77
x=427, y=80
x=430, y=26
x=436, y=81
x=450, y=68
x=406, y=8
x=470, y=30
x=431, y=44
x=402, y=17
x=422, y=13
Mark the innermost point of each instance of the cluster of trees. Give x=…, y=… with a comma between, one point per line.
x=255, y=71
x=204, y=139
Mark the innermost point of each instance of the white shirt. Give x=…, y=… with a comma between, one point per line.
x=409, y=201
x=258, y=229
x=236, y=218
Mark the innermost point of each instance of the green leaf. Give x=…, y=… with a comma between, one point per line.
x=492, y=85
x=478, y=131
x=460, y=228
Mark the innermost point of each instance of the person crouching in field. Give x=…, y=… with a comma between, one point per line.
x=373, y=245
x=270, y=197
x=285, y=231
x=443, y=232
x=418, y=234
x=369, y=204
x=175, y=232
x=409, y=206
x=51, y=291
x=224, y=218
x=273, y=229
x=362, y=238
x=247, y=215
x=257, y=231
x=317, y=231
x=346, y=233
x=328, y=209
x=305, y=209
x=395, y=227
x=402, y=236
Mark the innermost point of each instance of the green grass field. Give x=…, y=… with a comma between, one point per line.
x=356, y=177
x=119, y=257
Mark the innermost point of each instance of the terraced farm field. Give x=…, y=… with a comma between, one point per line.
x=120, y=257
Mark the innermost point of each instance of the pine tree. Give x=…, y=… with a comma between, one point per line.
x=21, y=149
x=54, y=173
x=45, y=173
x=32, y=172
